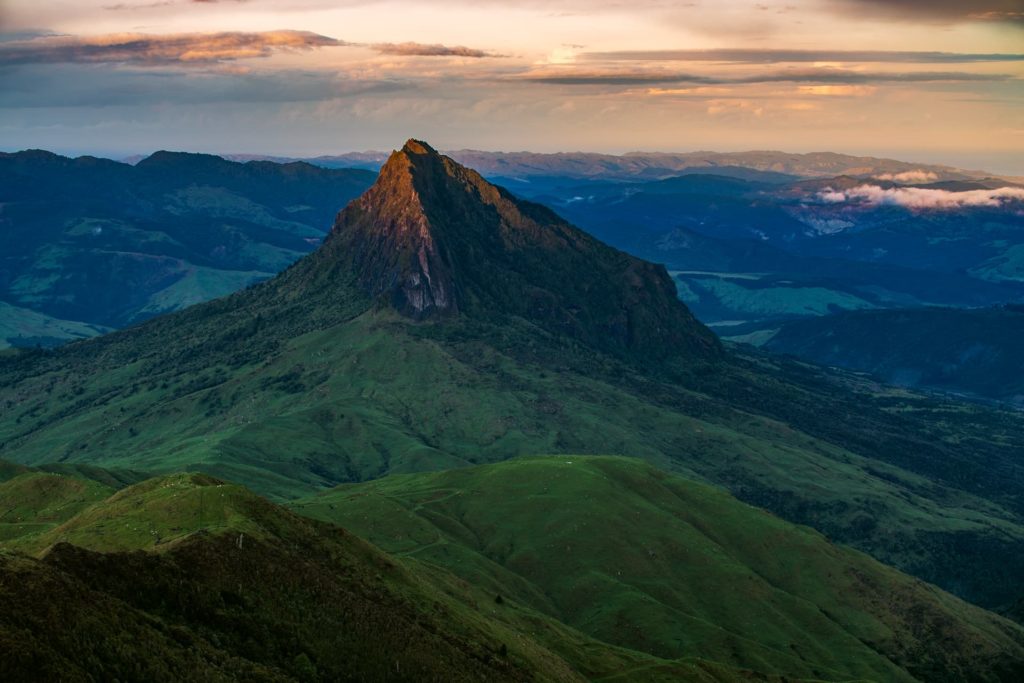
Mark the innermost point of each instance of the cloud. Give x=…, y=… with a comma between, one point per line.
x=619, y=78
x=160, y=50
x=137, y=6
x=922, y=198
x=769, y=56
x=191, y=49
x=918, y=176
x=26, y=34
x=946, y=11
x=74, y=85
x=838, y=90
x=824, y=76
x=423, y=50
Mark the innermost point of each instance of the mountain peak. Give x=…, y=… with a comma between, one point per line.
x=433, y=238
x=414, y=146
x=390, y=239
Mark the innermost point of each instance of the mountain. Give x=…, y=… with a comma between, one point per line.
x=88, y=244
x=667, y=566
x=445, y=323
x=973, y=351
x=432, y=237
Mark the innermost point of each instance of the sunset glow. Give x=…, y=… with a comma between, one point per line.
x=930, y=81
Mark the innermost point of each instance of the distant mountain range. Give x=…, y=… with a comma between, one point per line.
x=655, y=165
x=88, y=244
x=747, y=254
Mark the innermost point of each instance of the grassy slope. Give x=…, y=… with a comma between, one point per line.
x=24, y=327
x=377, y=396
x=33, y=501
x=725, y=298
x=232, y=587
x=661, y=564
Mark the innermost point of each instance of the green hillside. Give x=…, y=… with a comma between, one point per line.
x=654, y=562
x=32, y=502
x=24, y=327
x=974, y=352
x=232, y=587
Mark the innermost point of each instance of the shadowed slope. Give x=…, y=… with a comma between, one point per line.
x=975, y=352
x=186, y=577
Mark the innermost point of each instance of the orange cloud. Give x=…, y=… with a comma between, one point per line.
x=161, y=50
x=422, y=50
x=838, y=90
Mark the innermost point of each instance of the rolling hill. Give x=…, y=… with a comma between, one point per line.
x=445, y=323
x=493, y=572
x=88, y=244
x=234, y=588
x=632, y=556
x=966, y=351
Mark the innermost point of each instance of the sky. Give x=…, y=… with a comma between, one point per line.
x=923, y=80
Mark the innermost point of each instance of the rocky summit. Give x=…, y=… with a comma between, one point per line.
x=433, y=238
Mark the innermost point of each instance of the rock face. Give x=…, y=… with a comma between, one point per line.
x=391, y=241
x=432, y=239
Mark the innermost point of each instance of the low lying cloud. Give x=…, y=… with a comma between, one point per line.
x=423, y=50
x=769, y=56
x=839, y=77
x=922, y=198
x=619, y=78
x=910, y=177
x=161, y=50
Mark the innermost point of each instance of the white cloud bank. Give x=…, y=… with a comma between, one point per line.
x=910, y=177
x=922, y=198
